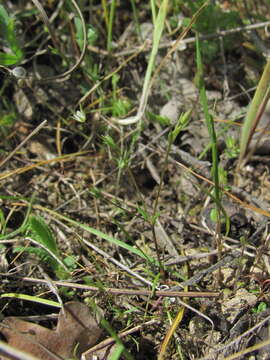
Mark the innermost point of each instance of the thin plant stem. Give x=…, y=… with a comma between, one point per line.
x=136, y=20
x=213, y=139
x=110, y=25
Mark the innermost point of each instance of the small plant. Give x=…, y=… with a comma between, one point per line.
x=232, y=147
x=262, y=306
x=80, y=115
x=92, y=34
x=118, y=105
x=40, y=233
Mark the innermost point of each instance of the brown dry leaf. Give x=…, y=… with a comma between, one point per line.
x=76, y=331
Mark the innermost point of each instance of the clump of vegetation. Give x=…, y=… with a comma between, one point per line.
x=156, y=216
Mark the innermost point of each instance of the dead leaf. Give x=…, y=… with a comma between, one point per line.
x=76, y=331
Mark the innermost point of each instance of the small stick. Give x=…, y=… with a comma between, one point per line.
x=128, y=292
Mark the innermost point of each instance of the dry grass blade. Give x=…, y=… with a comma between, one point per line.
x=24, y=169
x=108, y=342
x=171, y=331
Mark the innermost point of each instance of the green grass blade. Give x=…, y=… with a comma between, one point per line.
x=4, y=18
x=158, y=29
x=35, y=299
x=254, y=112
x=110, y=25
x=117, y=352
x=100, y=234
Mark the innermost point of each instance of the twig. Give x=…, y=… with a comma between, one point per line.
x=128, y=292
x=181, y=258
x=202, y=37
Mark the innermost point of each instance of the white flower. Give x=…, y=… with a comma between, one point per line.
x=79, y=116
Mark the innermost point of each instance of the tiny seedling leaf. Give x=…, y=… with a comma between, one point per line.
x=181, y=124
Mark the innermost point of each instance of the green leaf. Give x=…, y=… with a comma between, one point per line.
x=143, y=213
x=42, y=233
x=92, y=34
x=8, y=59
x=180, y=125
x=8, y=34
x=262, y=306
x=35, y=299
x=162, y=120
x=4, y=17
x=12, y=40
x=70, y=262
x=117, y=352
x=109, y=141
